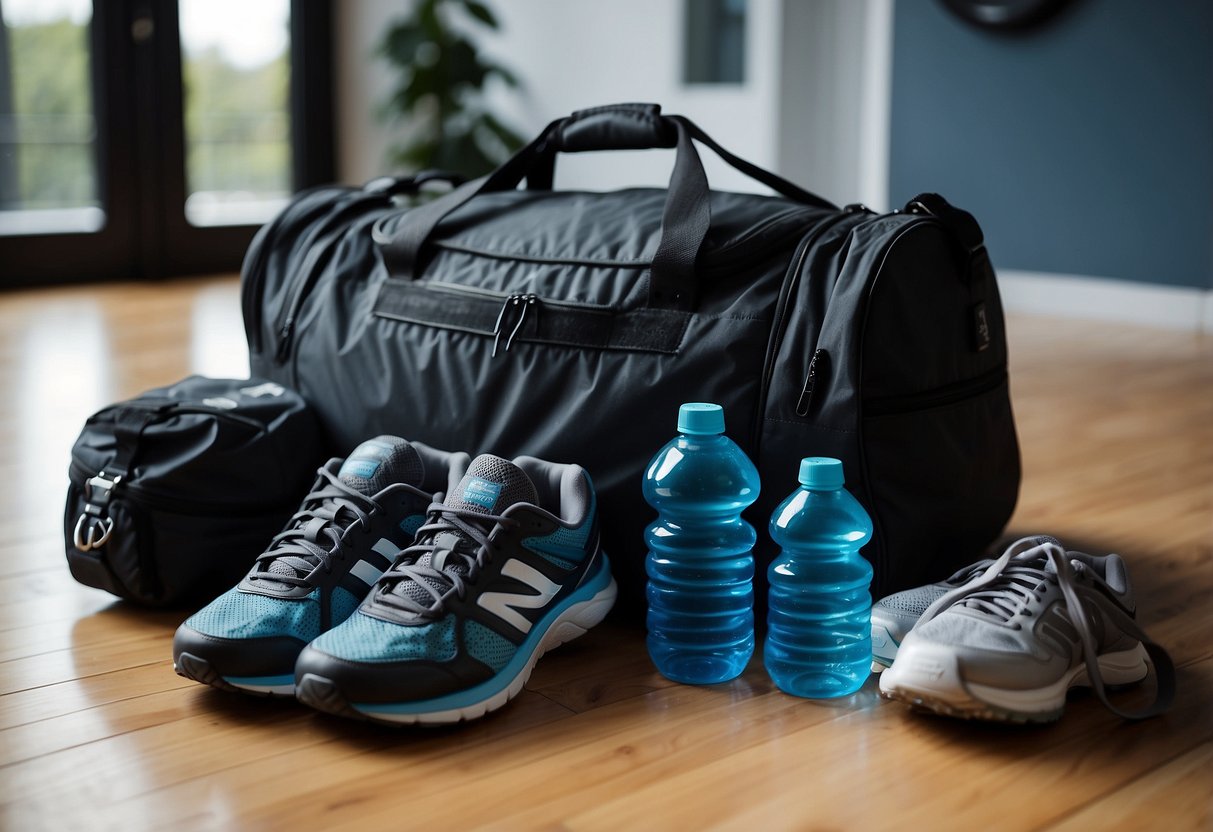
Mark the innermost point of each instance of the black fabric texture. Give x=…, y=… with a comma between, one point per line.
x=210, y=470
x=886, y=301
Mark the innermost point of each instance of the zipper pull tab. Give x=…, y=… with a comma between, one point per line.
x=512, y=299
x=527, y=301
x=285, y=335
x=817, y=364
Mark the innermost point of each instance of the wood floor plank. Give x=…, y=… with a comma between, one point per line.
x=47, y=701
x=1178, y=790
x=47, y=595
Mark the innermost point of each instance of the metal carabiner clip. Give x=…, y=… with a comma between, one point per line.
x=92, y=541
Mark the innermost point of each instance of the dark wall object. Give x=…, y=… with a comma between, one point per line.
x=1005, y=14
x=1086, y=149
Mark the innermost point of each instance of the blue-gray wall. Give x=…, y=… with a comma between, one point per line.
x=1084, y=148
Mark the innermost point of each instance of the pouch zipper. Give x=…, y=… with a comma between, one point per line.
x=517, y=303
x=938, y=396
x=818, y=363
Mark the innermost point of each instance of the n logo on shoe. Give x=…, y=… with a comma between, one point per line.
x=505, y=605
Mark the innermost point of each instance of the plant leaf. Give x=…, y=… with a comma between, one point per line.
x=482, y=13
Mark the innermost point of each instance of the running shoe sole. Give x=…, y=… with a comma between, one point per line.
x=198, y=669
x=582, y=610
x=929, y=677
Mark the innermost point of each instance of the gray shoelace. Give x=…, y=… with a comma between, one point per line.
x=453, y=547
x=314, y=534
x=1013, y=580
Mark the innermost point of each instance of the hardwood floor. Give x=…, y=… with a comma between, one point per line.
x=96, y=731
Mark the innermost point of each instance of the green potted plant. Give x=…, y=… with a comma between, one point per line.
x=440, y=93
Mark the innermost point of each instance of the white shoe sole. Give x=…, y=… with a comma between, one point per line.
x=930, y=677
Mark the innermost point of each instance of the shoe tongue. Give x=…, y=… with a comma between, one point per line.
x=491, y=485
x=380, y=462
x=370, y=468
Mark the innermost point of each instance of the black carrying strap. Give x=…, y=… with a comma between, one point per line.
x=94, y=525
x=685, y=219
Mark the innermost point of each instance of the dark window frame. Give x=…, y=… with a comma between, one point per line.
x=140, y=152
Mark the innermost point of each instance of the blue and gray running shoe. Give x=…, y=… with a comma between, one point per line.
x=509, y=566
x=360, y=513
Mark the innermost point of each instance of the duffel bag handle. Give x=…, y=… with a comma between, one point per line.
x=641, y=127
x=685, y=219
x=613, y=127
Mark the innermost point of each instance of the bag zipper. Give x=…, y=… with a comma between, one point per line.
x=254, y=274
x=325, y=238
x=497, y=294
x=738, y=250
x=791, y=278
x=937, y=396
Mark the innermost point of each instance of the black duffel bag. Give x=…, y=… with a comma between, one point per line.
x=571, y=325
x=174, y=493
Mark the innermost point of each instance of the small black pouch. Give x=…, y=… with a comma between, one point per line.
x=174, y=493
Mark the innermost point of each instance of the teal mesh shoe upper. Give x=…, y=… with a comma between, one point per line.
x=236, y=614
x=365, y=639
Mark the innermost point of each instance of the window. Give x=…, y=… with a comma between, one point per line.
x=141, y=138
x=48, y=171
x=715, y=42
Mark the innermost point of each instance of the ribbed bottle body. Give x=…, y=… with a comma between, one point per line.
x=700, y=563
x=819, y=640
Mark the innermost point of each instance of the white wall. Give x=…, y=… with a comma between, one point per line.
x=832, y=114
x=572, y=54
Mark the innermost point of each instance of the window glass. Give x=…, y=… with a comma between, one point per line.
x=48, y=161
x=715, y=42
x=236, y=75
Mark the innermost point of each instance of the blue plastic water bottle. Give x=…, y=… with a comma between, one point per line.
x=819, y=634
x=701, y=561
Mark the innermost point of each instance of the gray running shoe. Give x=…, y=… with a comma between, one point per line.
x=1010, y=643
x=895, y=615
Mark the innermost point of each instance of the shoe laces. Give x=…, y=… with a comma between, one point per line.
x=314, y=535
x=451, y=549
x=1019, y=576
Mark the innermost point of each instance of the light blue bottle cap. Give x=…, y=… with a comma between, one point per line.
x=821, y=473
x=701, y=418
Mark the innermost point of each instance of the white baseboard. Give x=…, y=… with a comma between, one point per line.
x=1094, y=298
